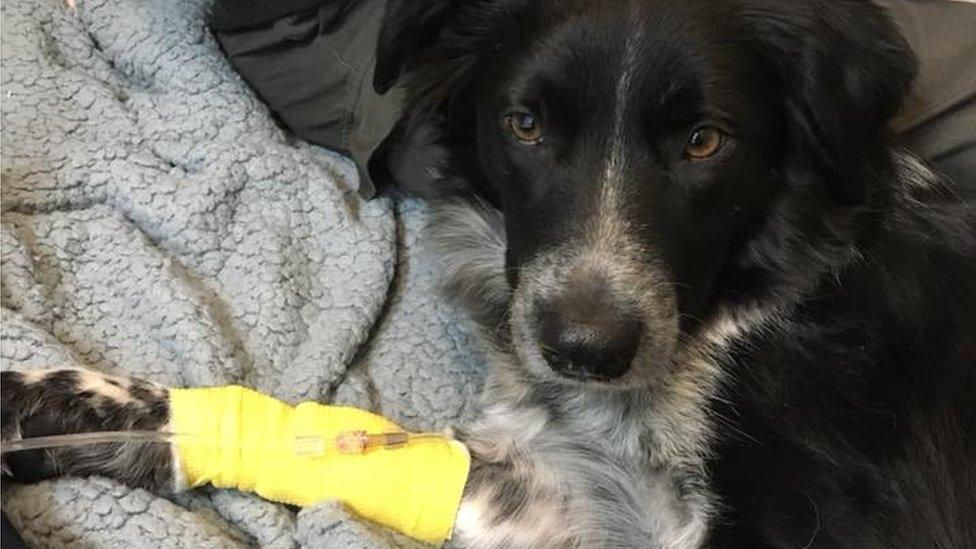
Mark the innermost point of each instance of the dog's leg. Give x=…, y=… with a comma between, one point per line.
x=53, y=402
x=501, y=510
x=546, y=493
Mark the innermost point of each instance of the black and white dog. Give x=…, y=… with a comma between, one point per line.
x=718, y=309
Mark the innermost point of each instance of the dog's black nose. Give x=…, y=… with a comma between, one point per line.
x=588, y=338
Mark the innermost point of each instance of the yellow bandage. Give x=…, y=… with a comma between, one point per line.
x=241, y=439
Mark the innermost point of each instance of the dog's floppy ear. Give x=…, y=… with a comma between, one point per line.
x=844, y=69
x=408, y=26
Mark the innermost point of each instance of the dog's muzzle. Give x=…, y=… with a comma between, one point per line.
x=586, y=333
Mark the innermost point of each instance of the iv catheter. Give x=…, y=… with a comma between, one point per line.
x=233, y=437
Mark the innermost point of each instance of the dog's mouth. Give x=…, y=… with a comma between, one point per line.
x=606, y=371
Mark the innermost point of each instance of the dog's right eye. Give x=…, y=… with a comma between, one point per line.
x=704, y=142
x=525, y=126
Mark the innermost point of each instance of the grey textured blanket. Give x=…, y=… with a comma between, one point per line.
x=157, y=222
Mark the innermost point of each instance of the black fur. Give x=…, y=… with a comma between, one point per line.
x=77, y=401
x=843, y=415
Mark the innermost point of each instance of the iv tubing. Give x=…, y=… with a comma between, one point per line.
x=349, y=442
x=76, y=439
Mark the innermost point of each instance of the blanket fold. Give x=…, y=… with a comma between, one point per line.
x=157, y=223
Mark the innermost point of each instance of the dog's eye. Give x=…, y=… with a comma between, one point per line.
x=704, y=142
x=525, y=126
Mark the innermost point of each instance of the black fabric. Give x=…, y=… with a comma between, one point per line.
x=234, y=15
x=938, y=119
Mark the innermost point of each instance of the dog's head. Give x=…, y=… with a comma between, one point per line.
x=661, y=166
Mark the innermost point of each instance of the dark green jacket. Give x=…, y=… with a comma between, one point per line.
x=312, y=62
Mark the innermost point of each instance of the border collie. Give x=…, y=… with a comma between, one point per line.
x=718, y=309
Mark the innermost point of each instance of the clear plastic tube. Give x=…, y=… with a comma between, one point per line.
x=79, y=439
x=347, y=442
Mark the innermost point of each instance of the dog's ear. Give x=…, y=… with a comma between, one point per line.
x=437, y=45
x=408, y=26
x=844, y=69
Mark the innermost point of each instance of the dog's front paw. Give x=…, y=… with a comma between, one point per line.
x=54, y=402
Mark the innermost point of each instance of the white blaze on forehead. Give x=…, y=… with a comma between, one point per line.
x=610, y=225
x=614, y=166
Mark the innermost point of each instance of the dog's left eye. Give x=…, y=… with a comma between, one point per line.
x=525, y=126
x=704, y=142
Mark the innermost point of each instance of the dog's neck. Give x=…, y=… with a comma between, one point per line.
x=653, y=449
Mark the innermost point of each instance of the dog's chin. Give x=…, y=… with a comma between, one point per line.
x=632, y=379
x=628, y=381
